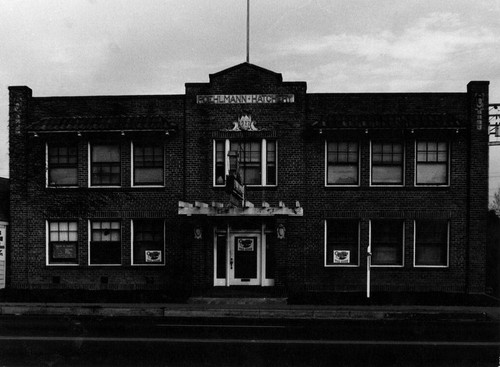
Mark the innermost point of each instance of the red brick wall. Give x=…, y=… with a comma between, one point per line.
x=301, y=175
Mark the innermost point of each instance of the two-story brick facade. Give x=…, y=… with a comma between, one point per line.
x=342, y=190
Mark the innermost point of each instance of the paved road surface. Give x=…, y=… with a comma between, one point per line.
x=139, y=341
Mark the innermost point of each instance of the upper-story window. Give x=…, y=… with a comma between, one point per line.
x=432, y=163
x=148, y=165
x=387, y=164
x=255, y=159
x=62, y=160
x=105, y=165
x=342, y=163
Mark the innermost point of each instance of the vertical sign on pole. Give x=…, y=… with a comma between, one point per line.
x=3, y=257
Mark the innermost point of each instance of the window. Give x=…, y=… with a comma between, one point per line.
x=342, y=242
x=387, y=242
x=148, y=165
x=431, y=243
x=148, y=247
x=342, y=163
x=62, y=243
x=105, y=165
x=432, y=163
x=105, y=243
x=255, y=159
x=62, y=165
x=387, y=164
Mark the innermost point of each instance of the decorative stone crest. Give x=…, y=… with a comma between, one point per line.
x=244, y=123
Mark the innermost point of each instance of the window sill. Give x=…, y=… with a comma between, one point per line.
x=60, y=265
x=148, y=265
x=342, y=186
x=147, y=186
x=52, y=187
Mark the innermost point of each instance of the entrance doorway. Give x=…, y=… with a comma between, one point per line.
x=244, y=259
x=240, y=257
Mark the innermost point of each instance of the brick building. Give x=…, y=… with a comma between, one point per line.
x=130, y=192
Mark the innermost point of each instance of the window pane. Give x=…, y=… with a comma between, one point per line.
x=105, y=253
x=105, y=153
x=148, y=176
x=342, y=175
x=387, y=175
x=432, y=174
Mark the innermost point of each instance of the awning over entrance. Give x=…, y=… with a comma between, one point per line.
x=215, y=209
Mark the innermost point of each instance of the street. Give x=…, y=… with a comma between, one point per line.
x=138, y=341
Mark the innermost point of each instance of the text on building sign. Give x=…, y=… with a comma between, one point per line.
x=244, y=98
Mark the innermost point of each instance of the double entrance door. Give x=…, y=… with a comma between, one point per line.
x=240, y=258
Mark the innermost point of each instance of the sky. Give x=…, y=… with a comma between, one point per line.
x=120, y=47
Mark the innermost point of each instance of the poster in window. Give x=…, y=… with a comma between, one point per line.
x=64, y=251
x=246, y=244
x=153, y=256
x=341, y=257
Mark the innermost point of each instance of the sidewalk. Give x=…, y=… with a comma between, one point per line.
x=266, y=309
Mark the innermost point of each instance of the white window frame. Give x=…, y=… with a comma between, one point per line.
x=47, y=172
x=89, y=223
x=326, y=164
x=403, y=147
x=132, y=175
x=89, y=165
x=47, y=243
x=325, y=244
x=447, y=248
x=263, y=165
x=402, y=243
x=132, y=231
x=448, y=163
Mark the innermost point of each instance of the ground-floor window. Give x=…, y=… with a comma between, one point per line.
x=105, y=243
x=62, y=246
x=431, y=243
x=148, y=246
x=342, y=242
x=387, y=242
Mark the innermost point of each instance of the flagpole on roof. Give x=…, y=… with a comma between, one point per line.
x=248, y=31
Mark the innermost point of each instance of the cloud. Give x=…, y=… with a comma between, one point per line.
x=429, y=40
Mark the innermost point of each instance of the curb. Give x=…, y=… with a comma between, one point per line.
x=255, y=312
